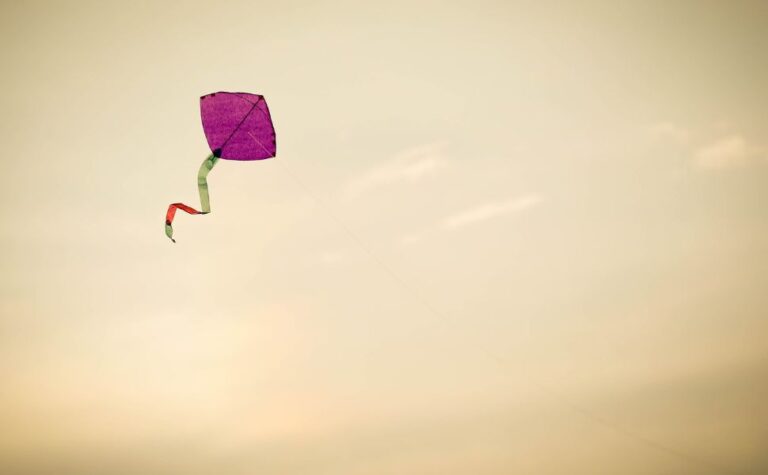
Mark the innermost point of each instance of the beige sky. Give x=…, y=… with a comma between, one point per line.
x=499, y=237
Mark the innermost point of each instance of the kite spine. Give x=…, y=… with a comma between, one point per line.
x=202, y=188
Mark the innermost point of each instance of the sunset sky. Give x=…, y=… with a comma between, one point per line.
x=498, y=238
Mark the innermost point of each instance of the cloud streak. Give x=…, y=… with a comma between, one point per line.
x=707, y=152
x=410, y=165
x=727, y=152
x=490, y=211
x=670, y=132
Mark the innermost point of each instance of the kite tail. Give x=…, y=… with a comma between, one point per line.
x=202, y=187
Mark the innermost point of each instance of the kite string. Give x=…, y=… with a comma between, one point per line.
x=202, y=188
x=502, y=363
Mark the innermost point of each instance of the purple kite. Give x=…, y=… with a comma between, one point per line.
x=237, y=126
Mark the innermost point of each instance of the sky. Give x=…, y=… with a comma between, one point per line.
x=498, y=237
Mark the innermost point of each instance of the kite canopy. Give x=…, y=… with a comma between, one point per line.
x=238, y=126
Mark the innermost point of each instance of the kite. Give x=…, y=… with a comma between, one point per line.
x=238, y=126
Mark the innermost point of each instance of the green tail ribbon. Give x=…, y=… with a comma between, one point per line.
x=202, y=188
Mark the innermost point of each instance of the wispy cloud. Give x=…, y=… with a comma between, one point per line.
x=410, y=165
x=411, y=238
x=710, y=148
x=491, y=210
x=331, y=257
x=670, y=132
x=727, y=152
